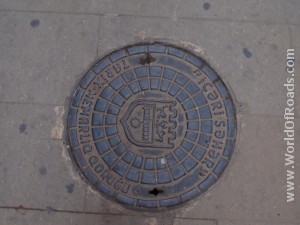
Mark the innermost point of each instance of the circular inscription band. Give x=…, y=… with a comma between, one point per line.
x=151, y=126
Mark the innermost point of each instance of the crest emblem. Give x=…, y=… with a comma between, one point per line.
x=151, y=123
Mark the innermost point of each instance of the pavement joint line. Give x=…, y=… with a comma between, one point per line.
x=47, y=139
x=145, y=16
x=239, y=21
x=203, y=219
x=20, y=207
x=31, y=103
x=260, y=222
x=52, y=12
x=98, y=36
x=78, y=13
x=176, y=10
x=290, y=36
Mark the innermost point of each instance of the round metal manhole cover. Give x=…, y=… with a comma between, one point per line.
x=151, y=125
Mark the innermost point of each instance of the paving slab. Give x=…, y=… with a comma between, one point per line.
x=246, y=55
x=45, y=55
x=267, y=11
x=34, y=173
x=25, y=217
x=253, y=186
x=159, y=8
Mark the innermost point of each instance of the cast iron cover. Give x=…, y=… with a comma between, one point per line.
x=151, y=125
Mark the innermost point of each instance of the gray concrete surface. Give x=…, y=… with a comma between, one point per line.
x=46, y=46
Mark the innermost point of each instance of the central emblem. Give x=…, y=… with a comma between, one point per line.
x=151, y=123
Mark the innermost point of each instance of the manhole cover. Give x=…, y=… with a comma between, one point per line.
x=151, y=126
